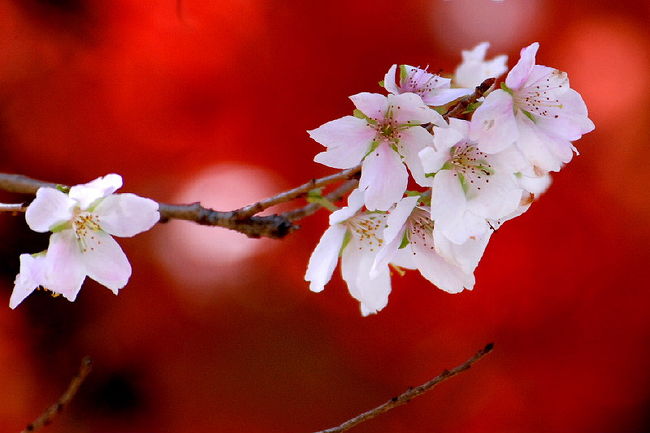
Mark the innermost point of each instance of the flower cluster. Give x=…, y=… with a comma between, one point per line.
x=478, y=170
x=82, y=222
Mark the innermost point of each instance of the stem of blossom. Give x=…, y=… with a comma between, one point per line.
x=457, y=109
x=292, y=194
x=333, y=196
x=12, y=207
x=410, y=394
x=51, y=412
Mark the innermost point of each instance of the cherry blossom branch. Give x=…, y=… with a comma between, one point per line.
x=410, y=394
x=458, y=109
x=12, y=207
x=51, y=412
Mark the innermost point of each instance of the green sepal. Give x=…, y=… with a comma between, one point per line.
x=61, y=226
x=471, y=107
x=316, y=196
x=358, y=114
x=63, y=188
x=381, y=84
x=346, y=240
x=405, y=241
x=463, y=182
x=413, y=193
x=429, y=174
x=373, y=145
x=403, y=73
x=506, y=88
x=529, y=115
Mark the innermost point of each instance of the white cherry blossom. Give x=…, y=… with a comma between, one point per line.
x=469, y=187
x=356, y=236
x=536, y=110
x=434, y=89
x=386, y=136
x=474, y=69
x=410, y=231
x=81, y=244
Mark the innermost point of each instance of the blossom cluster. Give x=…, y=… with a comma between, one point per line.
x=82, y=221
x=473, y=172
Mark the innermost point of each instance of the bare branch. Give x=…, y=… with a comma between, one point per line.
x=410, y=394
x=292, y=194
x=50, y=413
x=12, y=207
x=458, y=109
x=333, y=196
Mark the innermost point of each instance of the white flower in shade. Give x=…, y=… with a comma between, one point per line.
x=356, y=236
x=537, y=110
x=434, y=89
x=469, y=186
x=81, y=244
x=386, y=136
x=410, y=231
x=474, y=69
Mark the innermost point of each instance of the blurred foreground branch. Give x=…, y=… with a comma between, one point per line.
x=410, y=394
x=46, y=417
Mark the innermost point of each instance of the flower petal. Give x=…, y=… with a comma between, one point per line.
x=412, y=141
x=355, y=202
x=493, y=124
x=31, y=276
x=445, y=275
x=49, y=208
x=466, y=255
x=409, y=108
x=383, y=177
x=126, y=215
x=373, y=105
x=65, y=270
x=519, y=74
x=324, y=258
x=347, y=139
x=105, y=262
x=86, y=194
x=389, y=81
x=372, y=293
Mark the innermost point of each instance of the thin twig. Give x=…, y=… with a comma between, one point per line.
x=51, y=412
x=334, y=196
x=458, y=109
x=410, y=394
x=253, y=209
x=12, y=207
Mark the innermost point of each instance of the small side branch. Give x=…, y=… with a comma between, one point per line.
x=50, y=413
x=12, y=207
x=458, y=110
x=410, y=394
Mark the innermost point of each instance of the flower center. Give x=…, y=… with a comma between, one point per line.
x=365, y=229
x=540, y=99
x=470, y=165
x=420, y=229
x=84, y=225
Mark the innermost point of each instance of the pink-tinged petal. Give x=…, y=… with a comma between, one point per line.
x=498, y=197
x=383, y=177
x=403, y=258
x=373, y=105
x=127, y=215
x=356, y=265
x=355, y=202
x=432, y=160
x=30, y=276
x=445, y=138
x=519, y=74
x=466, y=255
x=387, y=253
x=412, y=141
x=535, y=146
x=348, y=139
x=448, y=200
x=571, y=121
x=443, y=274
x=397, y=218
x=324, y=258
x=390, y=82
x=65, y=270
x=408, y=108
x=105, y=262
x=86, y=194
x=535, y=184
x=445, y=96
x=50, y=208
x=493, y=124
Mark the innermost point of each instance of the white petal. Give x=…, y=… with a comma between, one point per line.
x=466, y=255
x=355, y=202
x=49, y=208
x=30, y=276
x=384, y=178
x=519, y=74
x=372, y=293
x=398, y=216
x=440, y=97
x=412, y=141
x=448, y=200
x=387, y=253
x=373, y=105
x=389, y=81
x=347, y=139
x=86, y=194
x=445, y=275
x=105, y=262
x=324, y=258
x=65, y=270
x=408, y=108
x=126, y=215
x=536, y=147
x=493, y=124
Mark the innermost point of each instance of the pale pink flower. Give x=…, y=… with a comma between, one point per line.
x=81, y=244
x=537, y=111
x=385, y=137
x=434, y=89
x=474, y=69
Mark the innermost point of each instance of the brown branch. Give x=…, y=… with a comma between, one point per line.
x=410, y=394
x=51, y=412
x=458, y=109
x=12, y=207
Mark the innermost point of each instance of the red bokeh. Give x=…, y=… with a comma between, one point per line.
x=162, y=92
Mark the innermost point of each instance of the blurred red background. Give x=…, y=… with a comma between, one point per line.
x=210, y=101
